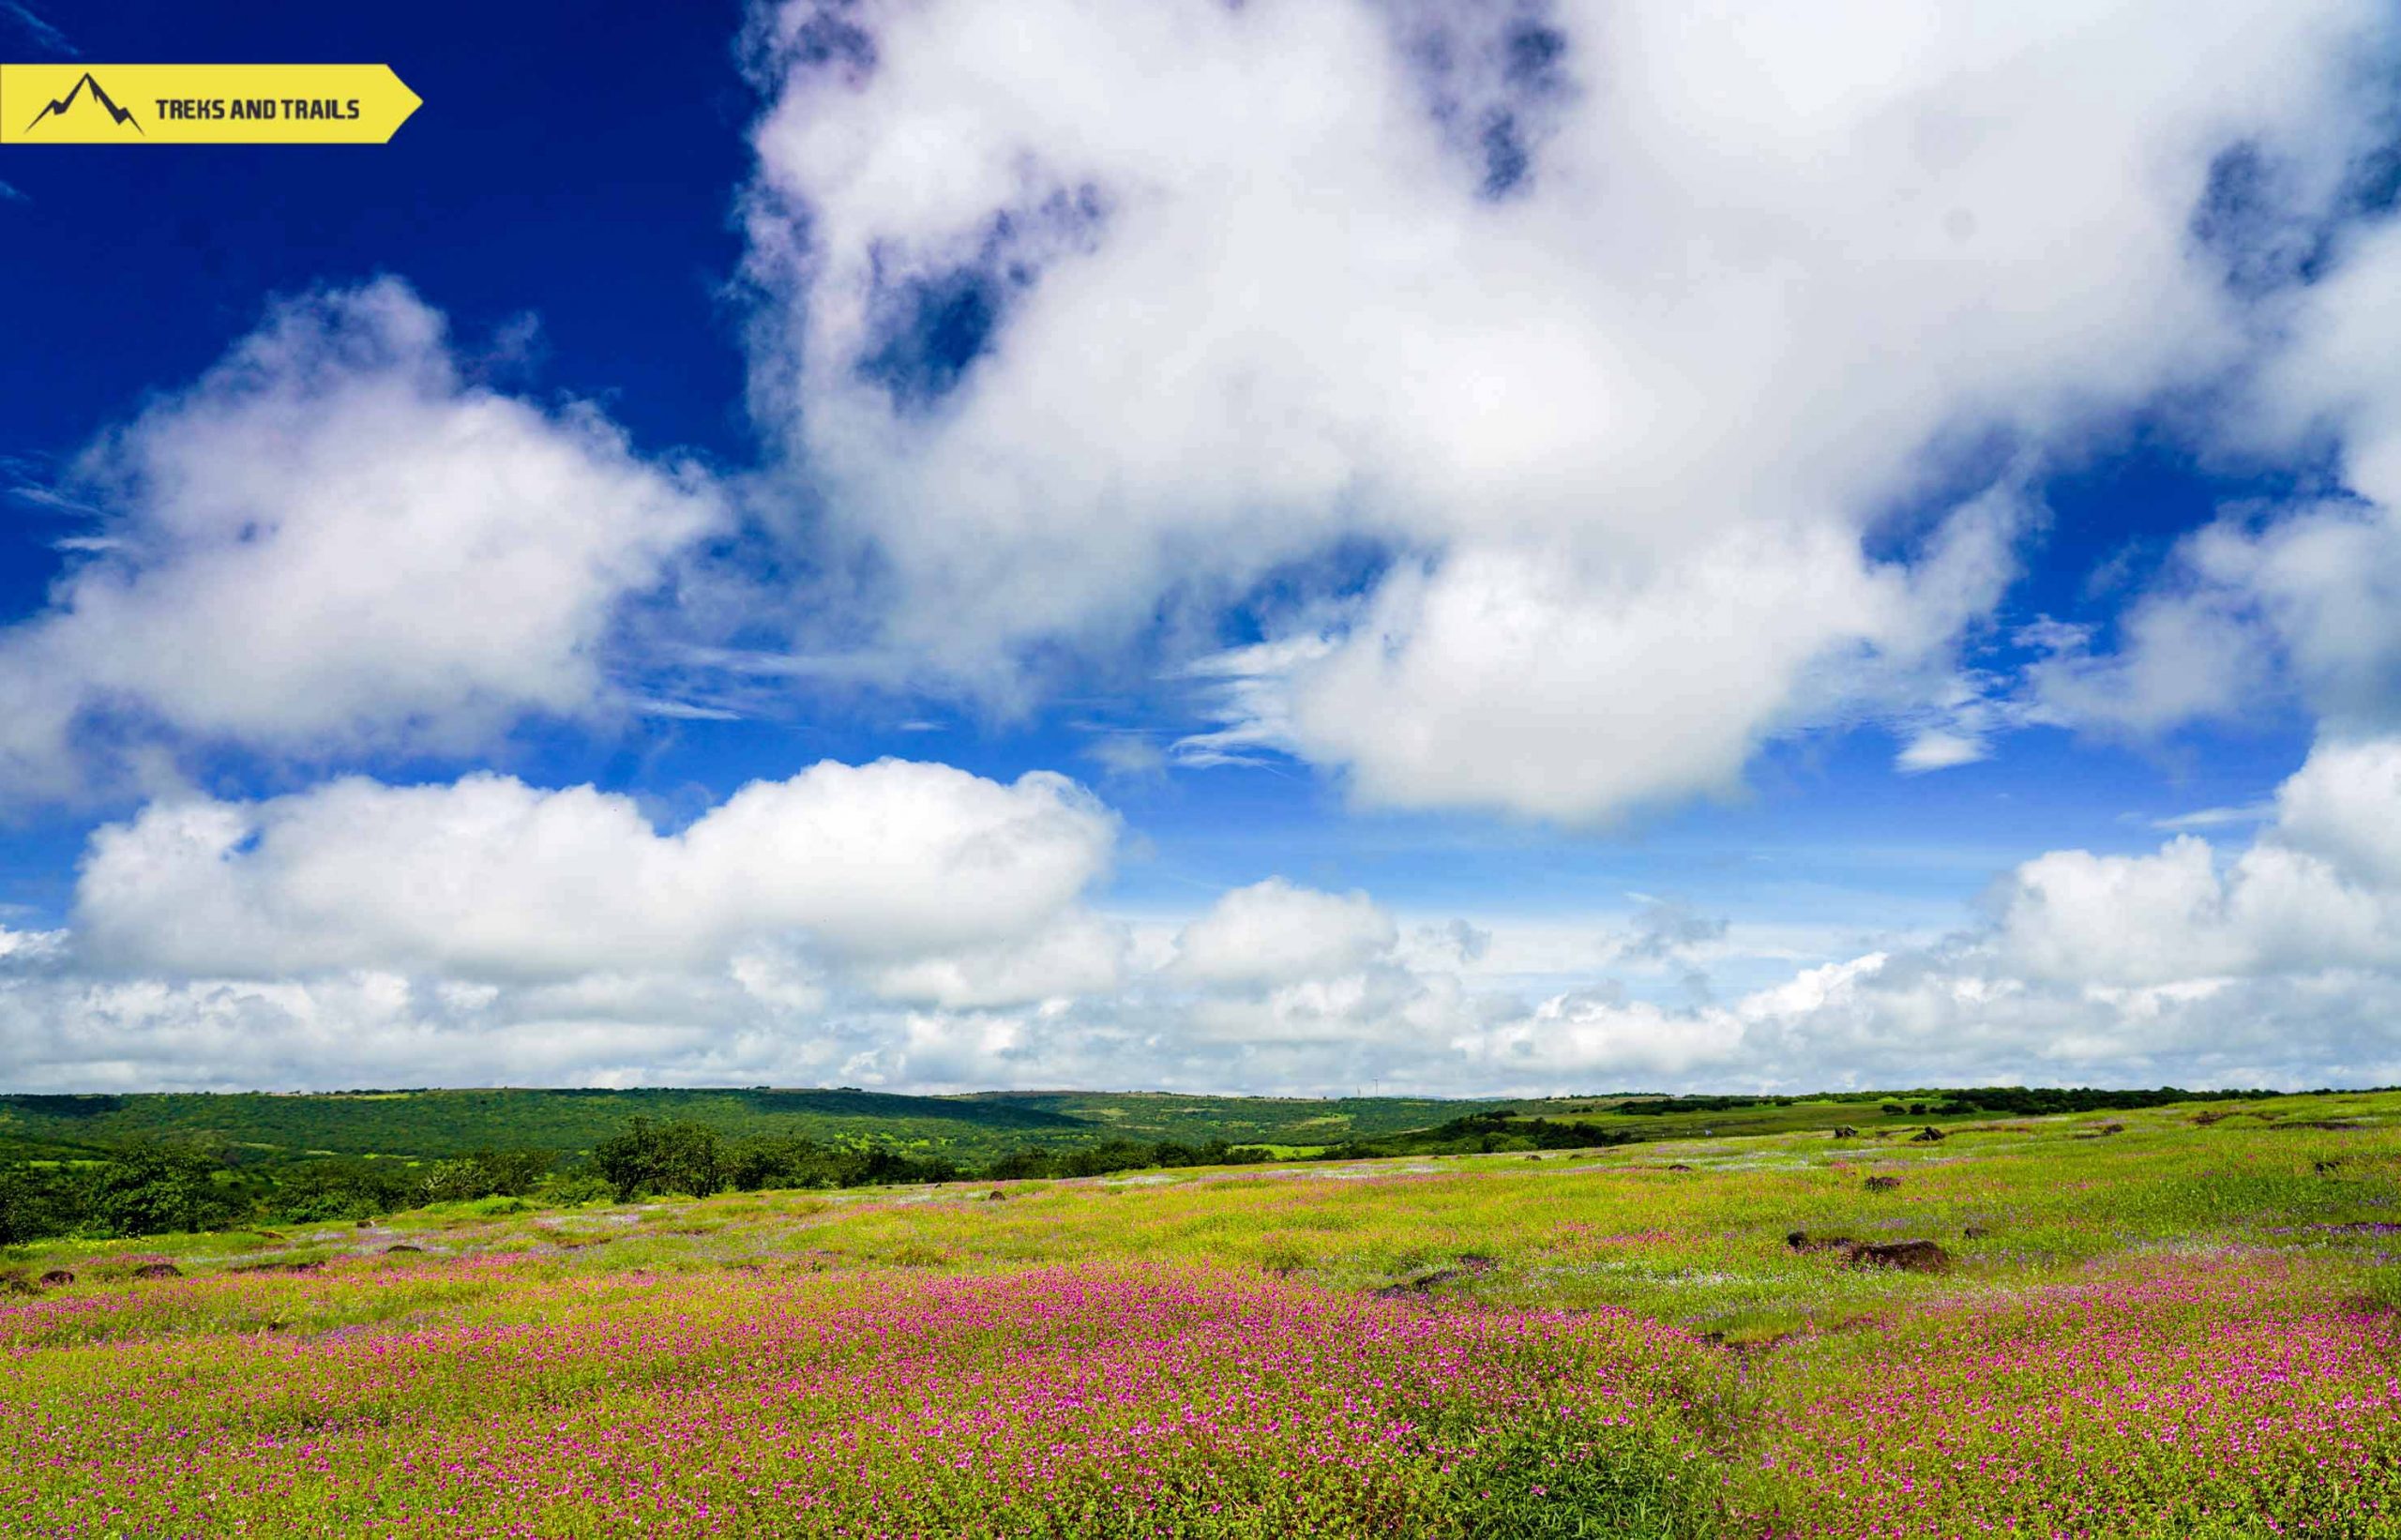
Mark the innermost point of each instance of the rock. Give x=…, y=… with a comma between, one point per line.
x=402, y=1247
x=15, y=1282
x=367, y=1224
x=57, y=1278
x=1975, y=1232
x=1471, y=1264
x=1843, y=1130
x=1803, y=1241
x=1882, y=1184
x=1679, y=1166
x=2325, y=1168
x=1909, y=1256
x=1927, y=1135
x=157, y=1270
x=995, y=1195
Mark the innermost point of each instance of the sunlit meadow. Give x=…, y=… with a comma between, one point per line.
x=2184, y=1326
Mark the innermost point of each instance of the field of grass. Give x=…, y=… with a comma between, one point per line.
x=2169, y=1323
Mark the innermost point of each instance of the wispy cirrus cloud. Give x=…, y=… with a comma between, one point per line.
x=41, y=31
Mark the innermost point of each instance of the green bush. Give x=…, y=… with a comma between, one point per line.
x=569, y=1192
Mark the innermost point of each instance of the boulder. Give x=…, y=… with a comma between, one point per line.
x=402, y=1247
x=157, y=1270
x=1927, y=1135
x=1469, y=1264
x=1907, y=1256
x=57, y=1278
x=15, y=1282
x=1843, y=1130
x=1803, y=1241
x=1882, y=1184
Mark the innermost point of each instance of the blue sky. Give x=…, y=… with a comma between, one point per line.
x=1490, y=546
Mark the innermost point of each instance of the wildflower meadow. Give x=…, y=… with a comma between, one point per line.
x=2173, y=1322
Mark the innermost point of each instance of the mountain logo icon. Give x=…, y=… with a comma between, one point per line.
x=122, y=115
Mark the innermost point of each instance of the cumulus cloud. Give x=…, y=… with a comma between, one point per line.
x=1273, y=933
x=335, y=543
x=228, y=950
x=490, y=878
x=1666, y=929
x=2278, y=963
x=1611, y=337
x=915, y=926
x=2297, y=601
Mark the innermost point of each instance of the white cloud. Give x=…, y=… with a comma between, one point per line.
x=1620, y=326
x=331, y=544
x=1937, y=750
x=1273, y=933
x=915, y=928
x=2213, y=818
x=2301, y=600
x=1082, y=955
x=488, y=878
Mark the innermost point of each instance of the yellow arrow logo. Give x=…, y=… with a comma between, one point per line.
x=202, y=103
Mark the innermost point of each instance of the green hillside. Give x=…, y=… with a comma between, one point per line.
x=432, y=1125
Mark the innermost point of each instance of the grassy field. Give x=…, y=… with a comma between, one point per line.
x=2177, y=1321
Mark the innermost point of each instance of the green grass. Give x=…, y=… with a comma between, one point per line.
x=2182, y=1326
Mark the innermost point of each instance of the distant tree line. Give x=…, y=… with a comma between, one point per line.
x=1652, y=1106
x=154, y=1186
x=2009, y=1101
x=1485, y=1133
x=157, y=1187
x=648, y=1158
x=2018, y=1101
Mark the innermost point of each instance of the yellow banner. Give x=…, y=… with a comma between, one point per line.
x=202, y=103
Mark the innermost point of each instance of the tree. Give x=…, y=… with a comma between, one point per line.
x=648, y=1157
x=149, y=1188
x=34, y=1203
